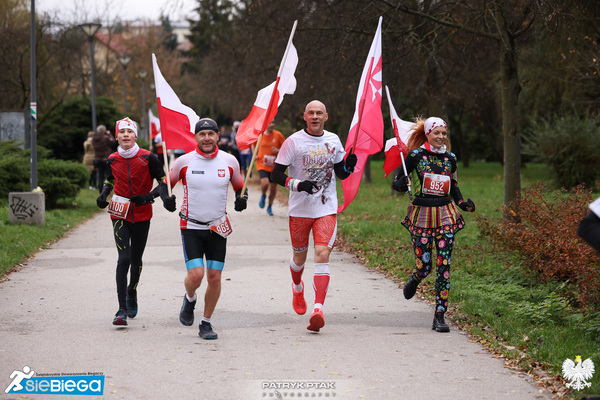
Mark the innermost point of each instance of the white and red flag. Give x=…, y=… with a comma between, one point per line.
x=269, y=98
x=396, y=148
x=177, y=121
x=366, y=130
x=154, y=123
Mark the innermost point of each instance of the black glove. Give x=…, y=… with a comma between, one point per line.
x=467, y=204
x=169, y=203
x=101, y=201
x=351, y=161
x=241, y=202
x=308, y=186
x=400, y=184
x=141, y=199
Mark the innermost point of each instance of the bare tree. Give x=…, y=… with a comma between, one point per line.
x=504, y=22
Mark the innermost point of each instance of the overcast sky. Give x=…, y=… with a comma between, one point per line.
x=79, y=11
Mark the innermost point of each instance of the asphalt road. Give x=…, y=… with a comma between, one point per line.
x=57, y=316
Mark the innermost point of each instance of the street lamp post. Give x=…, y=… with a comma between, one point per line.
x=90, y=30
x=143, y=73
x=124, y=60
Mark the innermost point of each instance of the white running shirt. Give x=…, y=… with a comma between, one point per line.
x=205, y=180
x=312, y=158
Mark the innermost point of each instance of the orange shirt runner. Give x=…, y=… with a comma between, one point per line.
x=265, y=159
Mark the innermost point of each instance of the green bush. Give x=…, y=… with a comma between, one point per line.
x=14, y=170
x=60, y=180
x=567, y=144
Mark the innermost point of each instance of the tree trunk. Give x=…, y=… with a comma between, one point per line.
x=367, y=171
x=510, y=116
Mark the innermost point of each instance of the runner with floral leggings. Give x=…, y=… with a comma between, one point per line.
x=432, y=217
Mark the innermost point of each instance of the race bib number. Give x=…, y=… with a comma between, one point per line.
x=222, y=226
x=118, y=206
x=435, y=184
x=269, y=160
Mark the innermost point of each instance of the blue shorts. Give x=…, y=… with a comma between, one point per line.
x=198, y=243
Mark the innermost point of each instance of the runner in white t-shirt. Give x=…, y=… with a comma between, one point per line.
x=313, y=156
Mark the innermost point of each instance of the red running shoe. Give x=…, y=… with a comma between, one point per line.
x=317, y=321
x=298, y=302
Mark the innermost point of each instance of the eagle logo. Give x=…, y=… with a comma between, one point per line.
x=578, y=372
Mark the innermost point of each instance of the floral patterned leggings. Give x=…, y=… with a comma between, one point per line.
x=423, y=253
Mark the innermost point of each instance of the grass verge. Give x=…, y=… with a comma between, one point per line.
x=20, y=242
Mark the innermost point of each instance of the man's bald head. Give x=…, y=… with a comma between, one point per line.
x=316, y=104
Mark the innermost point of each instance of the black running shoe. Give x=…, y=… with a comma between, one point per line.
x=439, y=324
x=120, y=317
x=410, y=287
x=206, y=331
x=186, y=315
x=132, y=306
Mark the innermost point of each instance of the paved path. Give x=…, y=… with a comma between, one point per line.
x=56, y=317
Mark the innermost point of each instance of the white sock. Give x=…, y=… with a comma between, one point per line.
x=192, y=299
x=318, y=306
x=204, y=319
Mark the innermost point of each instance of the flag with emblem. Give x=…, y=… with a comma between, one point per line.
x=177, y=121
x=366, y=130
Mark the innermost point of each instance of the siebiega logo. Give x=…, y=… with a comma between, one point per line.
x=24, y=381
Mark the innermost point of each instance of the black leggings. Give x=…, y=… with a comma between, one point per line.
x=130, y=239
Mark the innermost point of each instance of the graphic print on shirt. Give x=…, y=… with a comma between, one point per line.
x=318, y=165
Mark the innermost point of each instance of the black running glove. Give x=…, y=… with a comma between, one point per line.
x=308, y=186
x=241, y=202
x=400, y=184
x=467, y=204
x=101, y=201
x=351, y=161
x=168, y=201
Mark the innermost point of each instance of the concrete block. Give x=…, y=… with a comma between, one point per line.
x=26, y=208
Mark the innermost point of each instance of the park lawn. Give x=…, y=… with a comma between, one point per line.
x=20, y=242
x=505, y=308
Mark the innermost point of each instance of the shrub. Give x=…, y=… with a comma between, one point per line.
x=59, y=179
x=543, y=235
x=566, y=144
x=14, y=170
